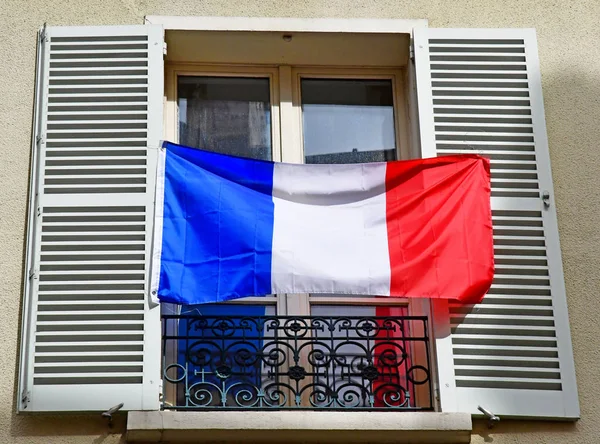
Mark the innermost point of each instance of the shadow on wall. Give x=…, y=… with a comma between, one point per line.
x=572, y=106
x=544, y=430
x=93, y=426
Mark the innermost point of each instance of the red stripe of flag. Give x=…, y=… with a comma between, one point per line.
x=439, y=228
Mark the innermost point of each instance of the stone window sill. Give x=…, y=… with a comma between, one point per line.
x=298, y=426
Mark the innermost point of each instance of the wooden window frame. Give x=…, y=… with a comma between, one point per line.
x=287, y=142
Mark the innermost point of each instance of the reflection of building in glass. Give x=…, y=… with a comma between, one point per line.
x=354, y=156
x=348, y=121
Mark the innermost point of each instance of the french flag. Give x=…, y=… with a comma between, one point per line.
x=228, y=227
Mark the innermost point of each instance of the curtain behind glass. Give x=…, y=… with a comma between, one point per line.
x=227, y=115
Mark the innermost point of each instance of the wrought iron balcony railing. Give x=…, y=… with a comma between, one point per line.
x=288, y=362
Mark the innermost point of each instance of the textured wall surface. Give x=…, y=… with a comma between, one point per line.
x=569, y=37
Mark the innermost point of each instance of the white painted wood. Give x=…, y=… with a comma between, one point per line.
x=479, y=91
x=291, y=152
x=182, y=23
x=90, y=337
x=152, y=330
x=27, y=349
x=414, y=151
x=97, y=398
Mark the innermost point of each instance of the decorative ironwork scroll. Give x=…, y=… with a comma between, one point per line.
x=290, y=362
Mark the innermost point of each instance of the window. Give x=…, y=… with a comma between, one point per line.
x=229, y=115
x=348, y=120
x=88, y=323
x=367, y=101
x=344, y=116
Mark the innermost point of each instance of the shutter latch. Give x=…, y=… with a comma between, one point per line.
x=546, y=198
x=492, y=419
x=108, y=414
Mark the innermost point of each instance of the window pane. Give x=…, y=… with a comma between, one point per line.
x=348, y=121
x=229, y=115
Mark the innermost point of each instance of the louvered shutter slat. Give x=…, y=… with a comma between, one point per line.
x=91, y=338
x=512, y=353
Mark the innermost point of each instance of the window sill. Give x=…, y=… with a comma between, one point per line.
x=298, y=426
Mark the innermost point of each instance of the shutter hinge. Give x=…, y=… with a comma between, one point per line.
x=161, y=397
x=164, y=48
x=43, y=35
x=25, y=398
x=436, y=396
x=39, y=140
x=32, y=273
x=411, y=52
x=36, y=204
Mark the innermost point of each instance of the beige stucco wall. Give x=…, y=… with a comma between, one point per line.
x=569, y=43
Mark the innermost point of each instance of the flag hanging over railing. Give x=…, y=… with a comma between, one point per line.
x=228, y=227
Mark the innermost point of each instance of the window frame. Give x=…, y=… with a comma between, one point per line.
x=288, y=146
x=396, y=75
x=287, y=136
x=172, y=71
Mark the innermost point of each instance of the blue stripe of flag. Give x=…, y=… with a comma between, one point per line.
x=217, y=227
x=238, y=347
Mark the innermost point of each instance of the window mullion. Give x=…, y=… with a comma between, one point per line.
x=291, y=147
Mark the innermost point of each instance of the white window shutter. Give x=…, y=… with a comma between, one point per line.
x=479, y=91
x=90, y=338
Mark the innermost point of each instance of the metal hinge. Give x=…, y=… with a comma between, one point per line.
x=411, y=52
x=39, y=140
x=36, y=204
x=43, y=35
x=436, y=396
x=161, y=398
x=164, y=48
x=25, y=398
x=32, y=273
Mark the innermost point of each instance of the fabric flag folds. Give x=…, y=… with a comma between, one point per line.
x=228, y=227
